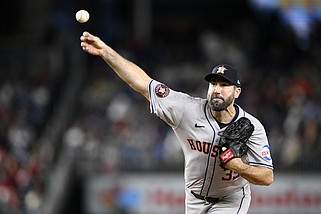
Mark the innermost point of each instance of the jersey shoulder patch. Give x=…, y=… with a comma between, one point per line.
x=265, y=152
x=161, y=90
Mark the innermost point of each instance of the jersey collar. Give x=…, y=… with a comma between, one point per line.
x=222, y=125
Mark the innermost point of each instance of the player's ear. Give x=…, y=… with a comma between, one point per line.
x=237, y=92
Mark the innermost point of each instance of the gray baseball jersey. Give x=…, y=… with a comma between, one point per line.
x=197, y=131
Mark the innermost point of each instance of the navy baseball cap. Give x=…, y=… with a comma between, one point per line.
x=227, y=72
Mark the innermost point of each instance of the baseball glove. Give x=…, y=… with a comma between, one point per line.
x=233, y=140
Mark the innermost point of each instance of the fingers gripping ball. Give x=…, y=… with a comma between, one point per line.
x=82, y=16
x=233, y=140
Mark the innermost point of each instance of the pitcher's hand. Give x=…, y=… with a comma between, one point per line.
x=92, y=44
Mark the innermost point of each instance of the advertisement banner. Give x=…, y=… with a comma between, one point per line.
x=164, y=194
x=289, y=194
x=135, y=194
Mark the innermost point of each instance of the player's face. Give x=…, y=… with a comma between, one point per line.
x=221, y=94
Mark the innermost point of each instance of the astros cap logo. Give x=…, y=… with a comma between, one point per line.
x=221, y=70
x=225, y=71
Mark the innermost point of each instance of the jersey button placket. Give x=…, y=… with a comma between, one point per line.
x=209, y=174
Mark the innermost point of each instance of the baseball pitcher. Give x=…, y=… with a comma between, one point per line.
x=225, y=147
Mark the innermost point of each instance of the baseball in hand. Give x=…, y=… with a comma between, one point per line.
x=82, y=16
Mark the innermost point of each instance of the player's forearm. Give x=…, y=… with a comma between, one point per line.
x=257, y=175
x=129, y=72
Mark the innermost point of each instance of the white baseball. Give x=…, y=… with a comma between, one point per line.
x=82, y=16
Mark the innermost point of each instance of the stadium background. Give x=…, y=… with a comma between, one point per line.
x=66, y=120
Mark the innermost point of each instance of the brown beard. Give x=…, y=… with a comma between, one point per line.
x=220, y=106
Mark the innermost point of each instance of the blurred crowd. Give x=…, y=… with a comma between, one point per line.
x=28, y=92
x=112, y=126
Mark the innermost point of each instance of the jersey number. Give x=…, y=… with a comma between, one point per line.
x=230, y=175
